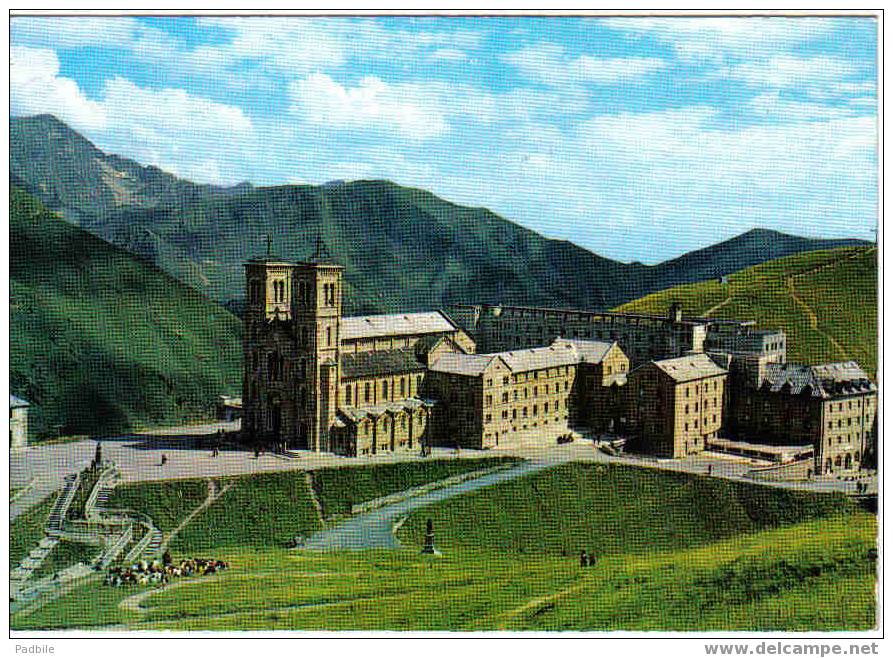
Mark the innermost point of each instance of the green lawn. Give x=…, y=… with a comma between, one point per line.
x=843, y=296
x=66, y=554
x=676, y=552
x=338, y=489
x=167, y=503
x=27, y=531
x=612, y=510
x=258, y=510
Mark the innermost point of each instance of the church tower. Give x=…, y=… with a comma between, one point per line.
x=316, y=286
x=267, y=396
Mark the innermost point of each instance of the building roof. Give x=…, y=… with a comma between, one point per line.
x=470, y=365
x=589, y=351
x=562, y=352
x=539, y=358
x=821, y=381
x=374, y=364
x=399, y=324
x=690, y=367
x=17, y=403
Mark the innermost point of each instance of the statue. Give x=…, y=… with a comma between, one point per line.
x=429, y=540
x=97, y=458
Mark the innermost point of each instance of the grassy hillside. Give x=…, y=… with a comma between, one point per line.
x=826, y=301
x=101, y=341
x=403, y=249
x=611, y=509
x=777, y=562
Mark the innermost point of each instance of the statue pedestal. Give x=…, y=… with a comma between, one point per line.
x=429, y=548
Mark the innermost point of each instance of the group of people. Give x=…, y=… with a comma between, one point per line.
x=587, y=559
x=146, y=573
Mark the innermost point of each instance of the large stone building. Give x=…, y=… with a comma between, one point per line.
x=493, y=376
x=833, y=407
x=501, y=398
x=676, y=405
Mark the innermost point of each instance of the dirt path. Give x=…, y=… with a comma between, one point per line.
x=810, y=314
x=213, y=494
x=308, y=477
x=714, y=309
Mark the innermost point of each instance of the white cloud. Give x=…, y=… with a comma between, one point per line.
x=549, y=64
x=714, y=38
x=449, y=55
x=772, y=104
x=789, y=71
x=35, y=87
x=408, y=109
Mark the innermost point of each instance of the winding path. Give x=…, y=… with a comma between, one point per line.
x=213, y=494
x=375, y=529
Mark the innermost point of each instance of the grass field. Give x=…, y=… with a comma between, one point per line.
x=338, y=489
x=839, y=286
x=66, y=554
x=27, y=530
x=675, y=552
x=167, y=503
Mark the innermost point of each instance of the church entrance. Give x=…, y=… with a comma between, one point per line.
x=302, y=440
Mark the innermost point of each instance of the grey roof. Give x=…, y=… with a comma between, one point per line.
x=16, y=403
x=538, y=358
x=690, y=367
x=590, y=351
x=374, y=364
x=470, y=365
x=822, y=381
x=399, y=324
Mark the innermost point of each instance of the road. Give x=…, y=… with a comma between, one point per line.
x=375, y=529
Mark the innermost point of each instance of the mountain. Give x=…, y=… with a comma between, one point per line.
x=69, y=174
x=102, y=341
x=404, y=249
x=826, y=302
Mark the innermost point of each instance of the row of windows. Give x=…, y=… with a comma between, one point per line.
x=696, y=422
x=387, y=390
x=534, y=410
x=706, y=405
x=705, y=387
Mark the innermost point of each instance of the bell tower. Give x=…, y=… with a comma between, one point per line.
x=316, y=286
x=266, y=350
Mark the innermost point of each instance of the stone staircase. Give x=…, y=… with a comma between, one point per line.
x=153, y=549
x=63, y=502
x=20, y=575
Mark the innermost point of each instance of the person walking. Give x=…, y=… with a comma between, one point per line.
x=584, y=558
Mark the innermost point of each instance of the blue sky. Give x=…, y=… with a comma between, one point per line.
x=639, y=138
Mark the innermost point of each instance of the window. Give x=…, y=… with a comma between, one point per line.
x=403, y=387
x=329, y=336
x=348, y=396
x=367, y=394
x=384, y=390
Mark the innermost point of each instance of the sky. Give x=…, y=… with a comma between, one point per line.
x=639, y=138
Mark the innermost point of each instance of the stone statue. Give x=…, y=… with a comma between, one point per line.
x=97, y=458
x=429, y=540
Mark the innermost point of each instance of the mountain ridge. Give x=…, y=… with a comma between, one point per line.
x=403, y=248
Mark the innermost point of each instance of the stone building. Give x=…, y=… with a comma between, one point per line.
x=18, y=423
x=676, y=405
x=642, y=337
x=318, y=381
x=832, y=407
x=488, y=400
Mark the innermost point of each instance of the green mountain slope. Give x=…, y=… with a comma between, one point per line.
x=404, y=249
x=826, y=301
x=101, y=341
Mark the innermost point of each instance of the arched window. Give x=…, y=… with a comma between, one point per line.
x=367, y=393
x=348, y=396
x=329, y=336
x=384, y=390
